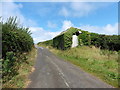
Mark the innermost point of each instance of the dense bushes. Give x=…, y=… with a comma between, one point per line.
x=85, y=37
x=64, y=40
x=16, y=40
x=111, y=42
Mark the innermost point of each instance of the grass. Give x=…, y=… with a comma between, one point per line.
x=21, y=80
x=100, y=63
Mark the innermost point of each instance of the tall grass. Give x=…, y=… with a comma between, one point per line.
x=101, y=63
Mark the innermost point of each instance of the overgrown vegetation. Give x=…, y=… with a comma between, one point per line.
x=109, y=42
x=15, y=38
x=16, y=44
x=64, y=40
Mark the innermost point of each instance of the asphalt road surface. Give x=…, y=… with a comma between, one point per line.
x=53, y=72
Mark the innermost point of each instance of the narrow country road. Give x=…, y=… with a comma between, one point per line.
x=52, y=72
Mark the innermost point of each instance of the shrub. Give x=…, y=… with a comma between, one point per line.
x=15, y=41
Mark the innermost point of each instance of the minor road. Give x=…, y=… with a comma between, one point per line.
x=53, y=72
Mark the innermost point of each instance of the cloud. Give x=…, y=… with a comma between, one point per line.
x=79, y=9
x=39, y=34
x=111, y=28
x=34, y=29
x=51, y=25
x=13, y=9
x=76, y=9
x=108, y=29
x=66, y=24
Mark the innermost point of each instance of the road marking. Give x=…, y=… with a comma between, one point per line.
x=61, y=74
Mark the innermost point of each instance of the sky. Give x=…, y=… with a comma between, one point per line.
x=47, y=19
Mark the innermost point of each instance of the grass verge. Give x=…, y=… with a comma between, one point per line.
x=21, y=80
x=100, y=63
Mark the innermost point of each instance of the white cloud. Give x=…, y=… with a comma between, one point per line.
x=79, y=6
x=66, y=24
x=13, y=9
x=108, y=29
x=51, y=25
x=111, y=28
x=39, y=34
x=34, y=29
x=79, y=9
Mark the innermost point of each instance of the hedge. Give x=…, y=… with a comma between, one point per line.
x=16, y=41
